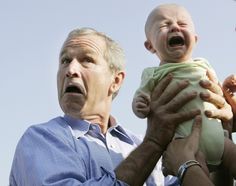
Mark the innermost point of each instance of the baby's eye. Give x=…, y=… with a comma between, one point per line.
x=182, y=24
x=163, y=25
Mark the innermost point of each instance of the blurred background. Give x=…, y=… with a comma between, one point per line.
x=31, y=36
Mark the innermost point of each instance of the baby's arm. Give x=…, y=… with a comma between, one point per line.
x=141, y=105
x=142, y=97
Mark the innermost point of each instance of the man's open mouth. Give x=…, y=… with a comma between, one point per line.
x=176, y=41
x=74, y=89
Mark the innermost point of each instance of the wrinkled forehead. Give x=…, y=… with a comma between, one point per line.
x=91, y=43
x=174, y=11
x=165, y=13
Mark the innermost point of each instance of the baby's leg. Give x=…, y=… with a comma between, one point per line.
x=229, y=157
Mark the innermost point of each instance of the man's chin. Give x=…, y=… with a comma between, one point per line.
x=73, y=111
x=72, y=106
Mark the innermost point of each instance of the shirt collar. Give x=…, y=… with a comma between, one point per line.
x=78, y=127
x=117, y=130
x=81, y=127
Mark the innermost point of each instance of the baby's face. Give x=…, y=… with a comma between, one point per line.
x=171, y=33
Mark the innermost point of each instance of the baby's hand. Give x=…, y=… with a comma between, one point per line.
x=141, y=106
x=230, y=84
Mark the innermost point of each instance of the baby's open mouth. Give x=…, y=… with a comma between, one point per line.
x=176, y=41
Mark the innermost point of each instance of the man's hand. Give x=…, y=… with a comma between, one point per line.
x=229, y=88
x=181, y=150
x=164, y=118
x=230, y=83
x=215, y=96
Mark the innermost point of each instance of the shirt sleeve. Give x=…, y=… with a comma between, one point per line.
x=171, y=181
x=42, y=158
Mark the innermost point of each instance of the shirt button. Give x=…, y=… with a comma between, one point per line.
x=93, y=128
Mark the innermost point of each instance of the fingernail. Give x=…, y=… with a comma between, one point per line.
x=198, y=118
x=205, y=82
x=204, y=95
x=199, y=112
x=208, y=113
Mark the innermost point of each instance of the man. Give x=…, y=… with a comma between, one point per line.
x=87, y=146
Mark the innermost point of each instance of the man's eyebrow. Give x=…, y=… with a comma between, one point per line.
x=62, y=52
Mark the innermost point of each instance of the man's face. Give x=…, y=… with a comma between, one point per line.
x=83, y=78
x=172, y=34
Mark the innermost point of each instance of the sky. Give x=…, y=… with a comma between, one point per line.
x=31, y=36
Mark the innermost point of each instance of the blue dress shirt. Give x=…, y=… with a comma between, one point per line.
x=66, y=151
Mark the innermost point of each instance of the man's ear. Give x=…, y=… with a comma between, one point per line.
x=149, y=47
x=117, y=82
x=196, y=38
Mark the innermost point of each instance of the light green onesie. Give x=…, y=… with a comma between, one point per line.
x=212, y=135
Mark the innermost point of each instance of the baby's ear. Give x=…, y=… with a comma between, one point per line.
x=149, y=47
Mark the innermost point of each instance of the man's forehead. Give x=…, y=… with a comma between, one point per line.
x=90, y=42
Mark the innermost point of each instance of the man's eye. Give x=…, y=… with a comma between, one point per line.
x=65, y=61
x=87, y=60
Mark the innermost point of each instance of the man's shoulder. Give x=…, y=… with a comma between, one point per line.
x=52, y=129
x=39, y=146
x=51, y=125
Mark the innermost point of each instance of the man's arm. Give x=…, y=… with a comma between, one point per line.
x=180, y=151
x=161, y=126
x=49, y=157
x=196, y=177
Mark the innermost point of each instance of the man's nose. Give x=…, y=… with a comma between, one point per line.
x=73, y=69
